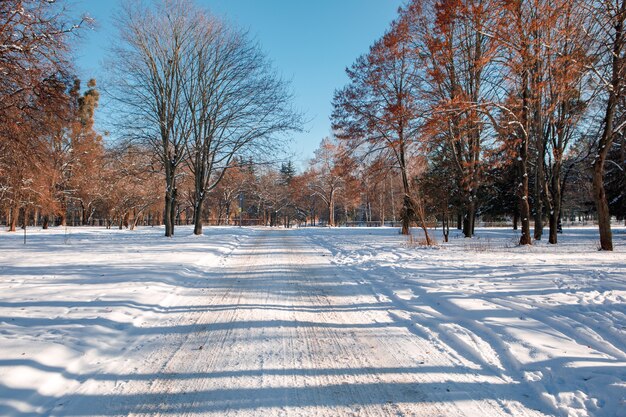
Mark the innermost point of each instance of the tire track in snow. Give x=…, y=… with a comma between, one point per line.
x=135, y=391
x=286, y=332
x=201, y=351
x=442, y=350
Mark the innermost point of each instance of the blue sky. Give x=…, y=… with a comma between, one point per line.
x=310, y=43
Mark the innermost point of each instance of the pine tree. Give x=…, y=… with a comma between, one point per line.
x=287, y=173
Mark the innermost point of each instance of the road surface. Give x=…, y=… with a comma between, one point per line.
x=280, y=330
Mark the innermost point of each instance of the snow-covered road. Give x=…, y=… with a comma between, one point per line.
x=275, y=323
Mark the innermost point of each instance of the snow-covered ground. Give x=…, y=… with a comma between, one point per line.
x=332, y=322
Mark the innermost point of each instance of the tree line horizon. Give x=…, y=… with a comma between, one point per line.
x=510, y=110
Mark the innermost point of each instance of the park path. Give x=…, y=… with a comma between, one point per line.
x=280, y=330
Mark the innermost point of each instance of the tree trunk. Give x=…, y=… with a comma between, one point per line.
x=382, y=209
x=538, y=215
x=555, y=209
x=410, y=212
x=24, y=216
x=393, y=201
x=166, y=216
x=133, y=226
x=469, y=219
x=418, y=210
x=173, y=208
x=522, y=192
x=331, y=208
x=406, y=215
x=169, y=215
x=539, y=138
x=602, y=206
x=552, y=239
x=13, y=219
x=605, y=142
x=197, y=218
x=85, y=217
x=525, y=239
x=523, y=189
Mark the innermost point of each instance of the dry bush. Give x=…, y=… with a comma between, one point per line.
x=420, y=241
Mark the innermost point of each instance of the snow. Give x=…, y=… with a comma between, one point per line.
x=315, y=321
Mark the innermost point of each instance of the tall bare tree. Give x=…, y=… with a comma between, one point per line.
x=234, y=103
x=330, y=171
x=149, y=67
x=609, y=37
x=565, y=100
x=33, y=46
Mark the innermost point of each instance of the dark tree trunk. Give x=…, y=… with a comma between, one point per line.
x=525, y=238
x=197, y=219
x=555, y=209
x=538, y=215
x=169, y=215
x=85, y=217
x=552, y=239
x=406, y=215
x=602, y=206
x=539, y=138
x=166, y=216
x=445, y=227
x=608, y=133
x=24, y=216
x=173, y=208
x=523, y=188
x=469, y=219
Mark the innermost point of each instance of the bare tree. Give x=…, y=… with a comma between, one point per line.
x=234, y=103
x=609, y=36
x=33, y=46
x=565, y=101
x=157, y=43
x=329, y=171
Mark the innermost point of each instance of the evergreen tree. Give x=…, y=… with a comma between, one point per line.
x=287, y=173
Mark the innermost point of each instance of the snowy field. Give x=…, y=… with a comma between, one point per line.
x=324, y=322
